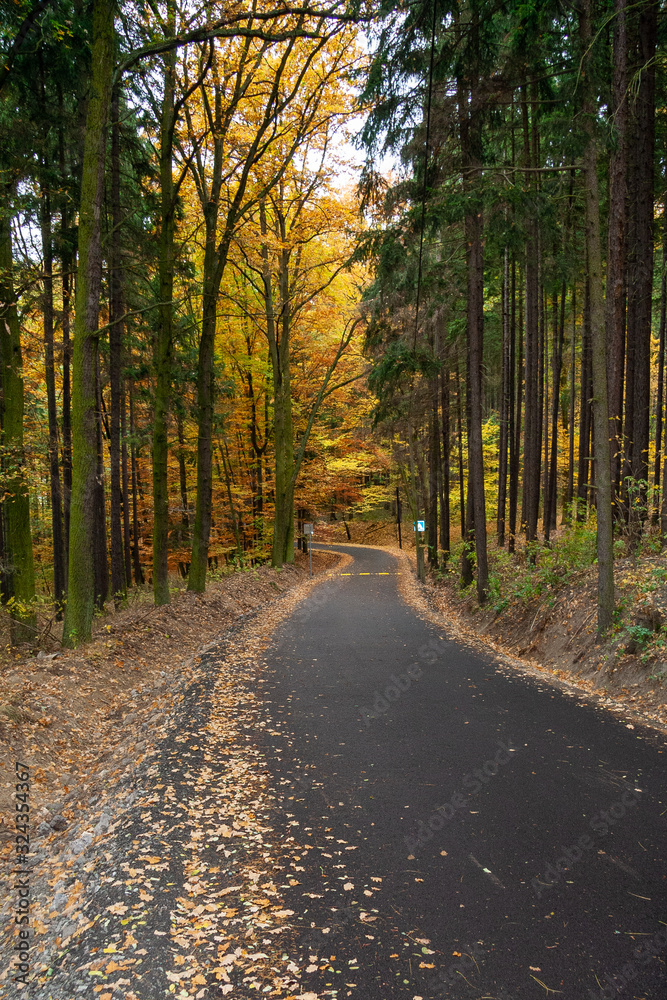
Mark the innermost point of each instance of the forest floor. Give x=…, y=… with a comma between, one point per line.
x=543, y=617
x=78, y=715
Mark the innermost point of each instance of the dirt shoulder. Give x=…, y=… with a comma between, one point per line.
x=77, y=716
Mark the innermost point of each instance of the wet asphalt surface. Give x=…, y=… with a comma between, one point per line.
x=518, y=832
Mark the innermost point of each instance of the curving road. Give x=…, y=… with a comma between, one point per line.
x=461, y=831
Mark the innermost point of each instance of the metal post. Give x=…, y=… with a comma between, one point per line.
x=398, y=517
x=308, y=529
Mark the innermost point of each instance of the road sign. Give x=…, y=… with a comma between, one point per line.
x=308, y=529
x=421, y=526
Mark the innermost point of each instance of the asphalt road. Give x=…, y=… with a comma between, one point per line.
x=466, y=832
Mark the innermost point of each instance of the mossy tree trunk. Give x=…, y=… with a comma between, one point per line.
x=279, y=351
x=79, y=610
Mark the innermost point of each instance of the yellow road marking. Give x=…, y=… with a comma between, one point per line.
x=367, y=574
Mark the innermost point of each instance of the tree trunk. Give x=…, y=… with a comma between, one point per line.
x=585, y=408
x=278, y=335
x=543, y=403
x=459, y=434
x=100, y=559
x=127, y=549
x=79, y=611
x=18, y=577
x=474, y=227
x=467, y=558
x=66, y=263
x=515, y=440
x=616, y=238
x=605, y=554
x=66, y=253
x=182, y=479
x=164, y=339
x=421, y=570
x=433, y=476
x=116, y=333
x=445, y=543
x=286, y=494
x=205, y=399
x=660, y=404
x=569, y=495
x=558, y=333
x=232, y=512
x=504, y=404
x=532, y=418
x=136, y=563
x=59, y=580
x=470, y=112
x=640, y=273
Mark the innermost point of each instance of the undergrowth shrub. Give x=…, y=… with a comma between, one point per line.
x=533, y=570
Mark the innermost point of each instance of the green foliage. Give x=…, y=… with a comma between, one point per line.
x=537, y=572
x=397, y=365
x=638, y=496
x=640, y=634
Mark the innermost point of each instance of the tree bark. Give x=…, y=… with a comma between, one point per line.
x=586, y=393
x=474, y=227
x=165, y=335
x=136, y=562
x=459, y=435
x=532, y=418
x=66, y=265
x=660, y=403
x=558, y=333
x=445, y=543
x=59, y=579
x=470, y=112
x=605, y=552
x=467, y=557
x=515, y=439
x=504, y=404
x=127, y=548
x=433, y=475
x=182, y=479
x=569, y=494
x=100, y=558
x=116, y=334
x=79, y=611
x=414, y=491
x=640, y=271
x=616, y=238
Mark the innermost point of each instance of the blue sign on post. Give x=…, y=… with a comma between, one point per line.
x=420, y=526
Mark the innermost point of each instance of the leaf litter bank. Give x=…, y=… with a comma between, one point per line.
x=169, y=890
